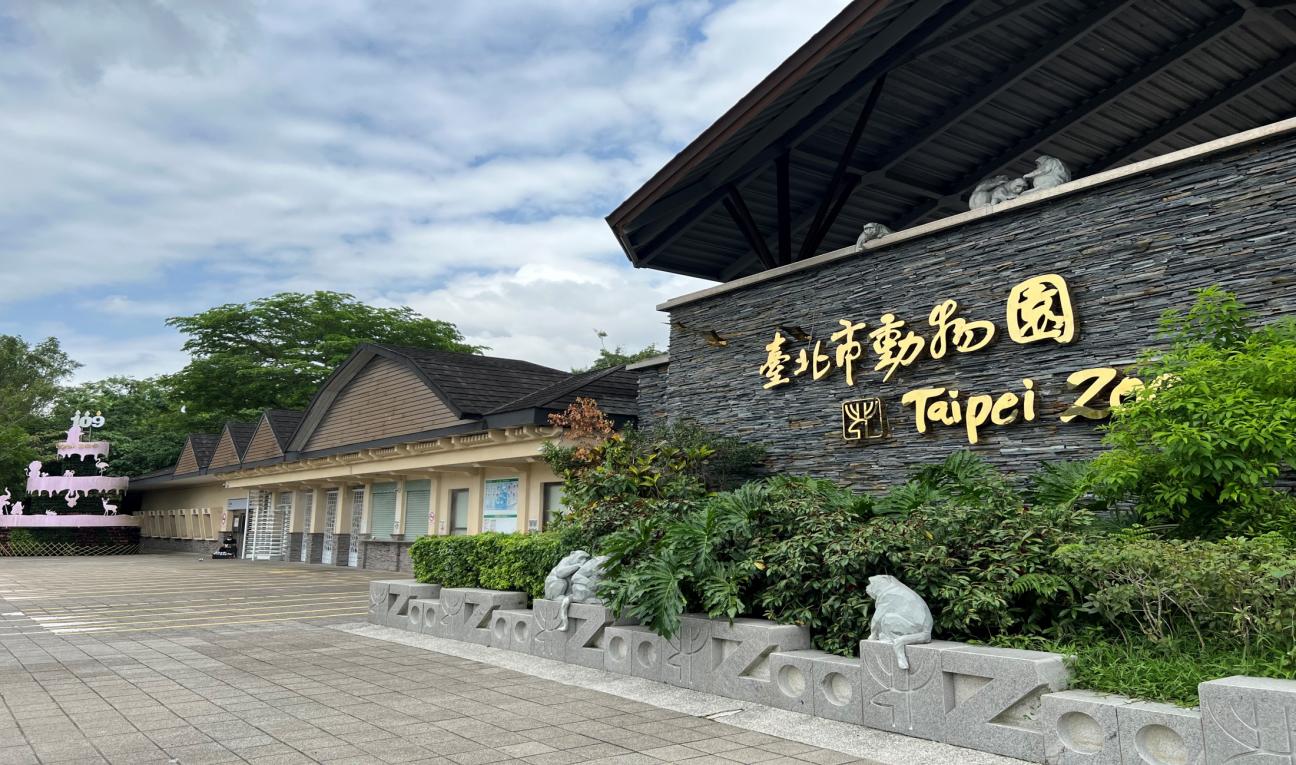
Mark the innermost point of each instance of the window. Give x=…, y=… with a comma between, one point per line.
x=458, y=512
x=552, y=501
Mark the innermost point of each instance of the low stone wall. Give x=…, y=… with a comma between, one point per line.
x=196, y=546
x=997, y=700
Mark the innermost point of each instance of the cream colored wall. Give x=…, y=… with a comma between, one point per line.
x=160, y=516
x=540, y=475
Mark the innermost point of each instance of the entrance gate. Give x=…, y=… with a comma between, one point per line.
x=357, y=516
x=330, y=518
x=266, y=529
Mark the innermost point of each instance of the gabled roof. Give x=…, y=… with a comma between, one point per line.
x=197, y=452
x=283, y=423
x=614, y=389
x=241, y=433
x=474, y=385
x=232, y=444
x=896, y=109
x=467, y=384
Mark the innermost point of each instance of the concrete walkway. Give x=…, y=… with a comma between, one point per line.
x=169, y=659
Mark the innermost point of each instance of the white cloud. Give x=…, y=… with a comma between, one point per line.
x=177, y=154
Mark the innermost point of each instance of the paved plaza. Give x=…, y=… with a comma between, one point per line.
x=167, y=658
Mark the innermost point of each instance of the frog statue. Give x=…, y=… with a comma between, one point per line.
x=575, y=580
x=900, y=616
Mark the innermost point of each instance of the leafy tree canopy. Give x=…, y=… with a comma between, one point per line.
x=29, y=384
x=275, y=352
x=617, y=356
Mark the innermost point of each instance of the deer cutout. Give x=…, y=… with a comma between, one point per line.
x=109, y=508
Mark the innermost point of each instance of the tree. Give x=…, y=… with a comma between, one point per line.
x=617, y=356
x=29, y=383
x=275, y=352
x=144, y=422
x=1204, y=442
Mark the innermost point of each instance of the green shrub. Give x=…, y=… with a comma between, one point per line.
x=1203, y=444
x=800, y=551
x=658, y=474
x=710, y=560
x=494, y=561
x=1239, y=590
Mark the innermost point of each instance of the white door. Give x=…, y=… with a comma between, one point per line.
x=357, y=517
x=330, y=518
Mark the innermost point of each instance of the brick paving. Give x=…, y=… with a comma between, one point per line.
x=168, y=659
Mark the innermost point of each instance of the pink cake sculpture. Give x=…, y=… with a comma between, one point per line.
x=75, y=487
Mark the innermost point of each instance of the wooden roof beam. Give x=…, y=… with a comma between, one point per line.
x=895, y=42
x=819, y=226
x=1223, y=96
x=1064, y=121
x=1039, y=56
x=743, y=219
x=977, y=27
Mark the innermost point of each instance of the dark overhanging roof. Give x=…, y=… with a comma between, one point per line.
x=897, y=108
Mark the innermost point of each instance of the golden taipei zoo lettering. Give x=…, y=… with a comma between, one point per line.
x=938, y=405
x=866, y=419
x=1038, y=309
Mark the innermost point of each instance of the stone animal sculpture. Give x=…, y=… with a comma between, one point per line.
x=574, y=580
x=1048, y=172
x=1008, y=191
x=870, y=232
x=982, y=195
x=900, y=616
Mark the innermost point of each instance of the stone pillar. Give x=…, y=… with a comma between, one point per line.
x=436, y=510
x=366, y=516
x=476, y=497
x=524, y=500
x=342, y=522
x=296, y=518
x=318, y=510
x=398, y=528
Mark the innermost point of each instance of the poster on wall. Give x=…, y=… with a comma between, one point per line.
x=500, y=504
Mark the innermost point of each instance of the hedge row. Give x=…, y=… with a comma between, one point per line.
x=494, y=561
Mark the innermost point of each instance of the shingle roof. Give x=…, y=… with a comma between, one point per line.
x=475, y=384
x=204, y=446
x=615, y=390
x=283, y=423
x=241, y=433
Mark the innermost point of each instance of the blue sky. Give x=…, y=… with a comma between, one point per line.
x=163, y=156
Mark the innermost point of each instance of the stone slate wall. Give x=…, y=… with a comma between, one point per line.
x=341, y=549
x=1128, y=250
x=652, y=396
x=294, y=547
x=386, y=556
x=155, y=544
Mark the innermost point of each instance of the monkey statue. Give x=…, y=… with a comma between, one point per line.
x=1048, y=172
x=870, y=232
x=900, y=616
x=984, y=191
